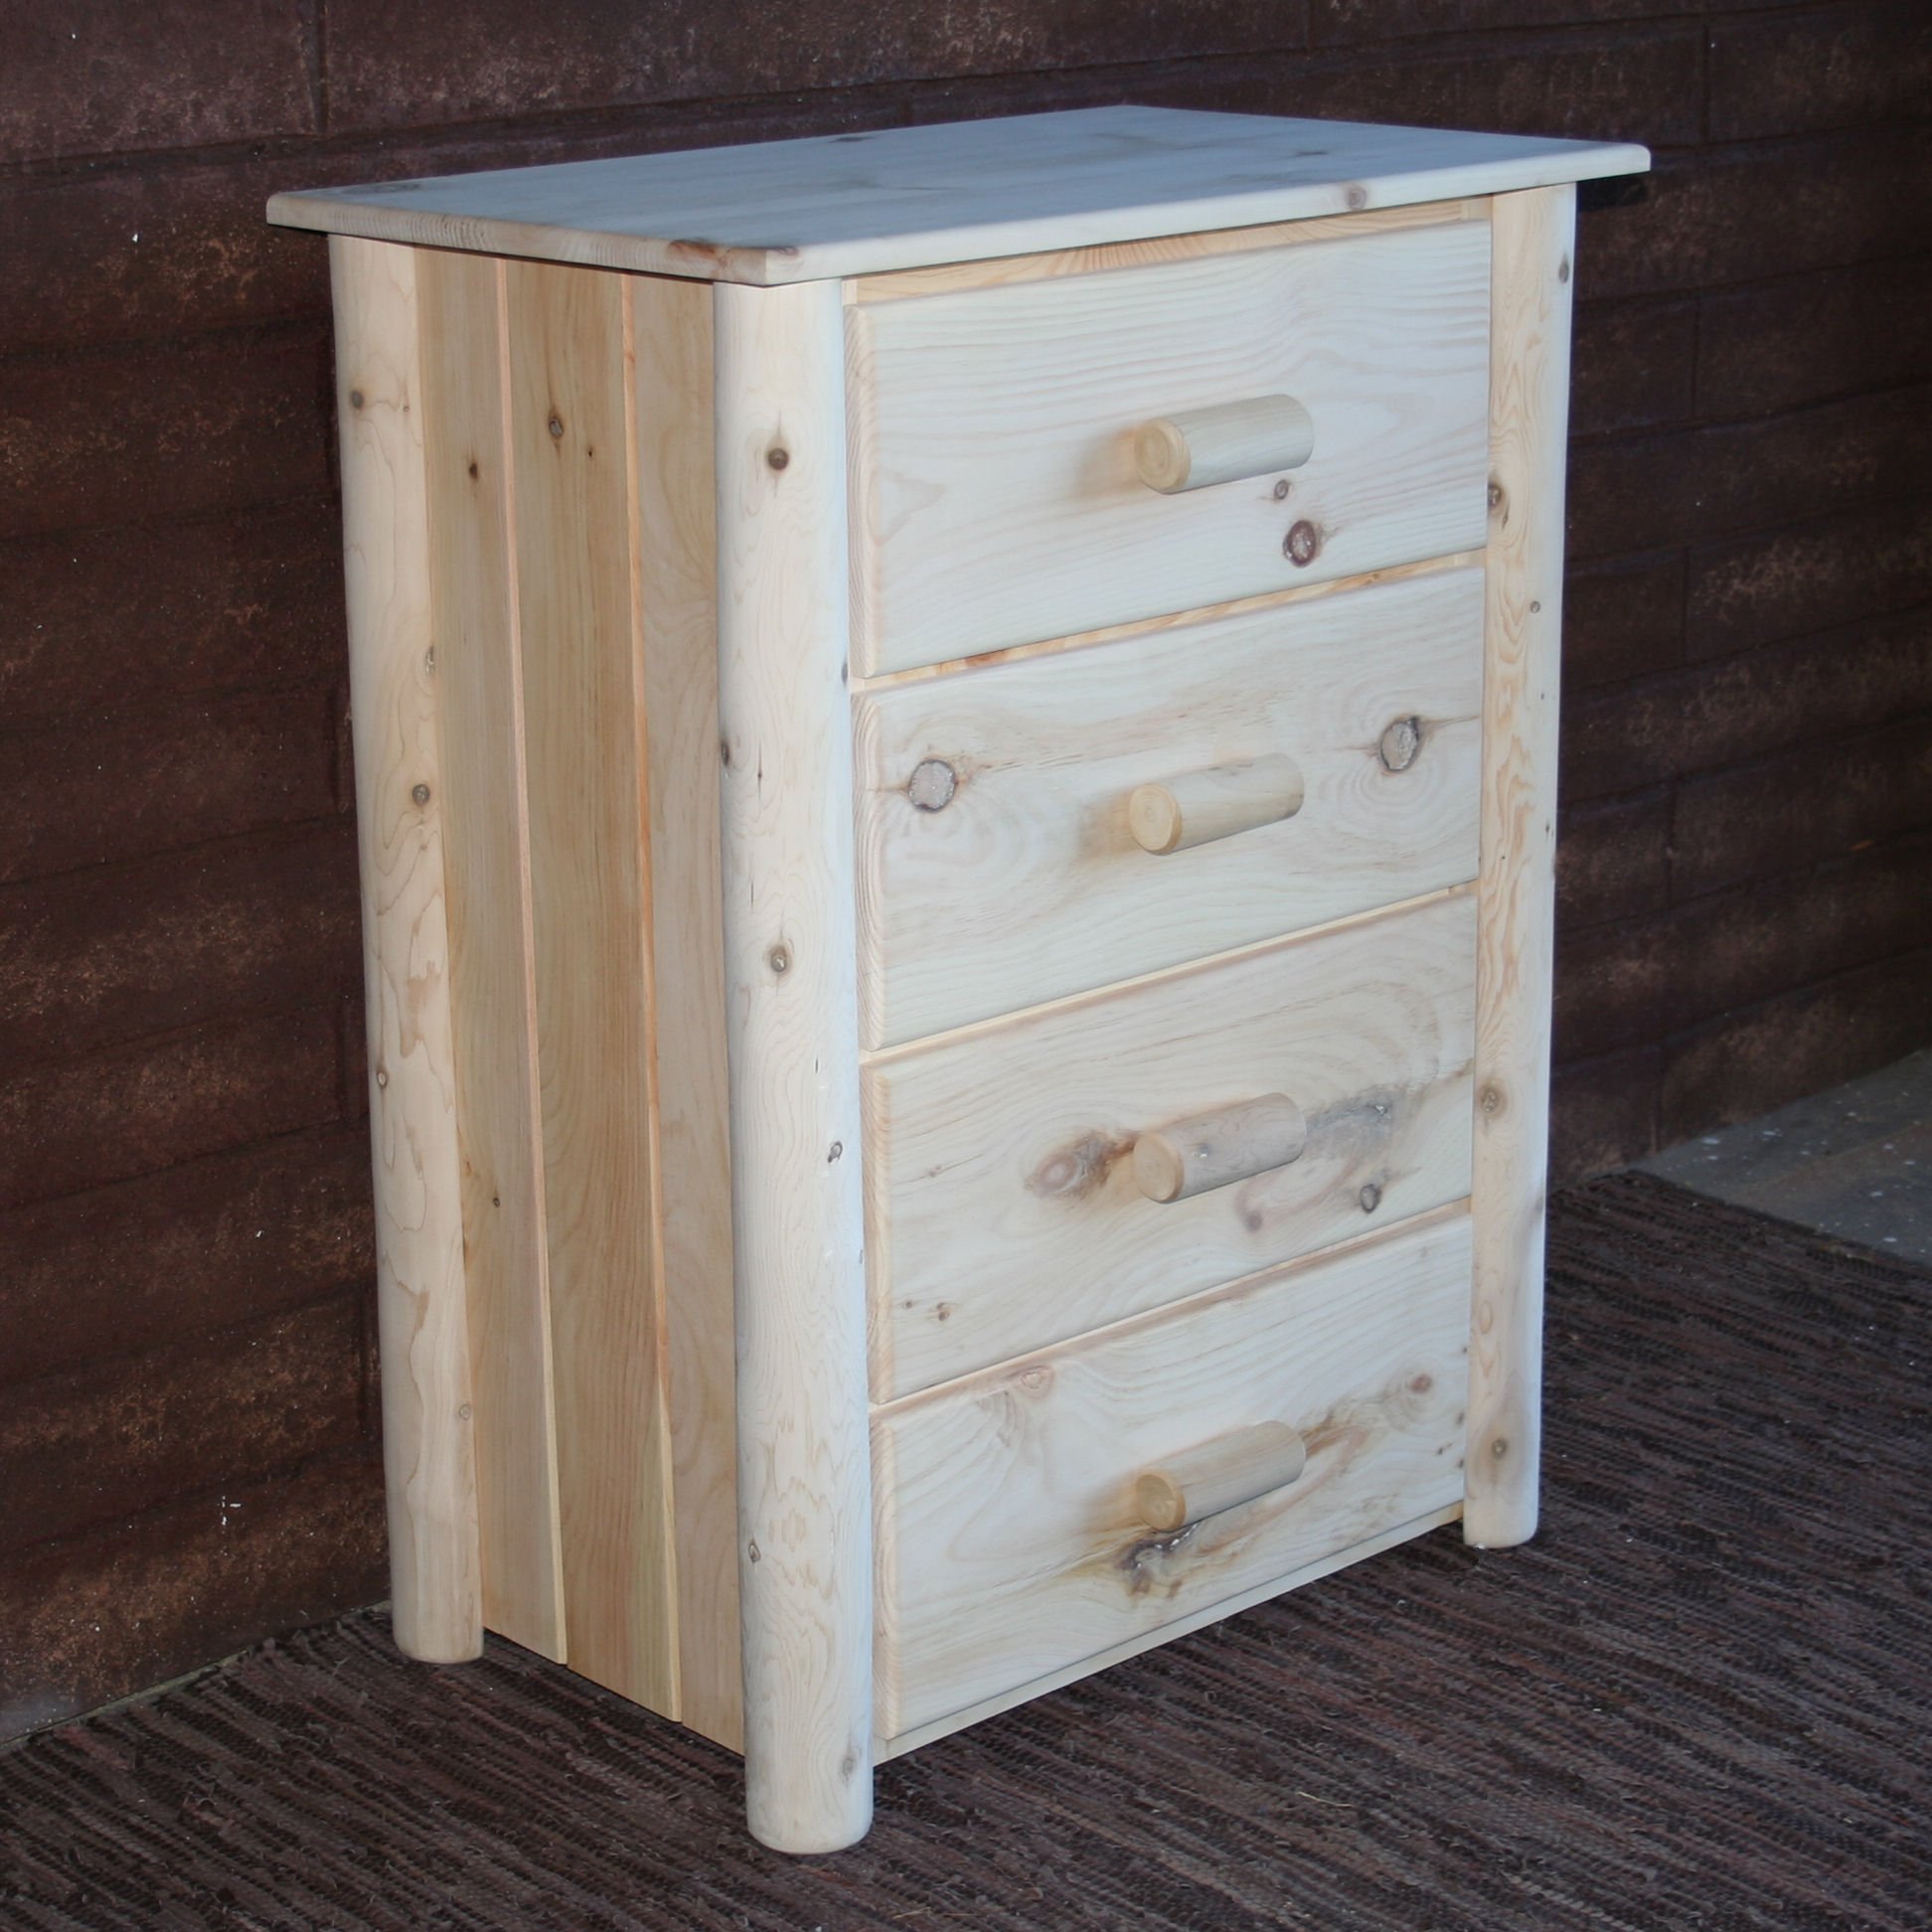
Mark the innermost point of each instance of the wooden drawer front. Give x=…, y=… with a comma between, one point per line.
x=998, y=866
x=1011, y=1543
x=1004, y=1209
x=997, y=501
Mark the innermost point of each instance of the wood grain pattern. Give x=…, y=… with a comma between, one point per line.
x=804, y=1476
x=429, y=1450
x=678, y=562
x=492, y=988
x=917, y=1737
x=1535, y=253
x=1000, y=1157
x=1028, y=883
x=569, y=434
x=857, y=203
x=946, y=277
x=996, y=497
x=1013, y=1547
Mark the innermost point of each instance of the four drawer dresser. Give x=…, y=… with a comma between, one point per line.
x=955, y=735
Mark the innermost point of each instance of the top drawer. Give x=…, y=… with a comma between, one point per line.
x=996, y=497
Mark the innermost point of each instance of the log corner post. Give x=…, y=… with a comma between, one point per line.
x=790, y=966
x=1531, y=263
x=429, y=1443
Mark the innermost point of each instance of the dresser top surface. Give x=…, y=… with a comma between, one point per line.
x=959, y=191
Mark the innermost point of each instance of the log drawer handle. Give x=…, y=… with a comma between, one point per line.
x=1214, y=1476
x=1222, y=444
x=1213, y=1150
x=1216, y=803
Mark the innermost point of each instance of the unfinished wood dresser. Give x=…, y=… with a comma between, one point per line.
x=955, y=743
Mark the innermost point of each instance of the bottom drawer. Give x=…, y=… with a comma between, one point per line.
x=1014, y=1537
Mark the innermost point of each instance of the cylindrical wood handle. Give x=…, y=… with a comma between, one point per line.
x=1212, y=1150
x=1222, y=444
x=1216, y=1476
x=1213, y=804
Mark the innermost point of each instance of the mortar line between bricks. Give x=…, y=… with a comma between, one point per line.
x=290, y=831
x=358, y=1287
x=320, y=1459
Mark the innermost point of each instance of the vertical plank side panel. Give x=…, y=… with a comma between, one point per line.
x=429, y=1451
x=492, y=986
x=1533, y=249
x=679, y=569
x=570, y=447
x=804, y=1473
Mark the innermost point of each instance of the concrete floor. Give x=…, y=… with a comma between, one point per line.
x=1856, y=1162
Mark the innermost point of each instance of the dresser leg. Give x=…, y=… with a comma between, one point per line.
x=428, y=1439
x=804, y=1466
x=1532, y=241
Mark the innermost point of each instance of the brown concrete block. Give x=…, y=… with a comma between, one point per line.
x=1606, y=86
x=244, y=930
x=171, y=774
x=100, y=1616
x=1744, y=214
x=1790, y=72
x=1797, y=807
x=1785, y=344
x=155, y=246
x=226, y=423
x=1644, y=980
x=1613, y=861
x=1647, y=492
x=95, y=619
x=1762, y=588
x=1799, y=1042
x=231, y=1238
x=196, y=1413
x=1715, y=714
x=94, y=77
x=1622, y=618
x=398, y=68
x=1633, y=365
x=158, y=1103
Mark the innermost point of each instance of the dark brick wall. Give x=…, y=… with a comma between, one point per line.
x=187, y=1415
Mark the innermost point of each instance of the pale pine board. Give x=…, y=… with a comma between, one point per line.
x=1529, y=421
x=678, y=565
x=996, y=500
x=901, y=197
x=1009, y=1545
x=1003, y=1213
x=1027, y=884
x=480, y=699
x=573, y=535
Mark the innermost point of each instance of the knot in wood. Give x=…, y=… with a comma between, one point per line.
x=933, y=784
x=555, y=425
x=778, y=959
x=778, y=457
x=1370, y=1197
x=1400, y=742
x=355, y=399
x=420, y=793
x=1281, y=490
x=1302, y=543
